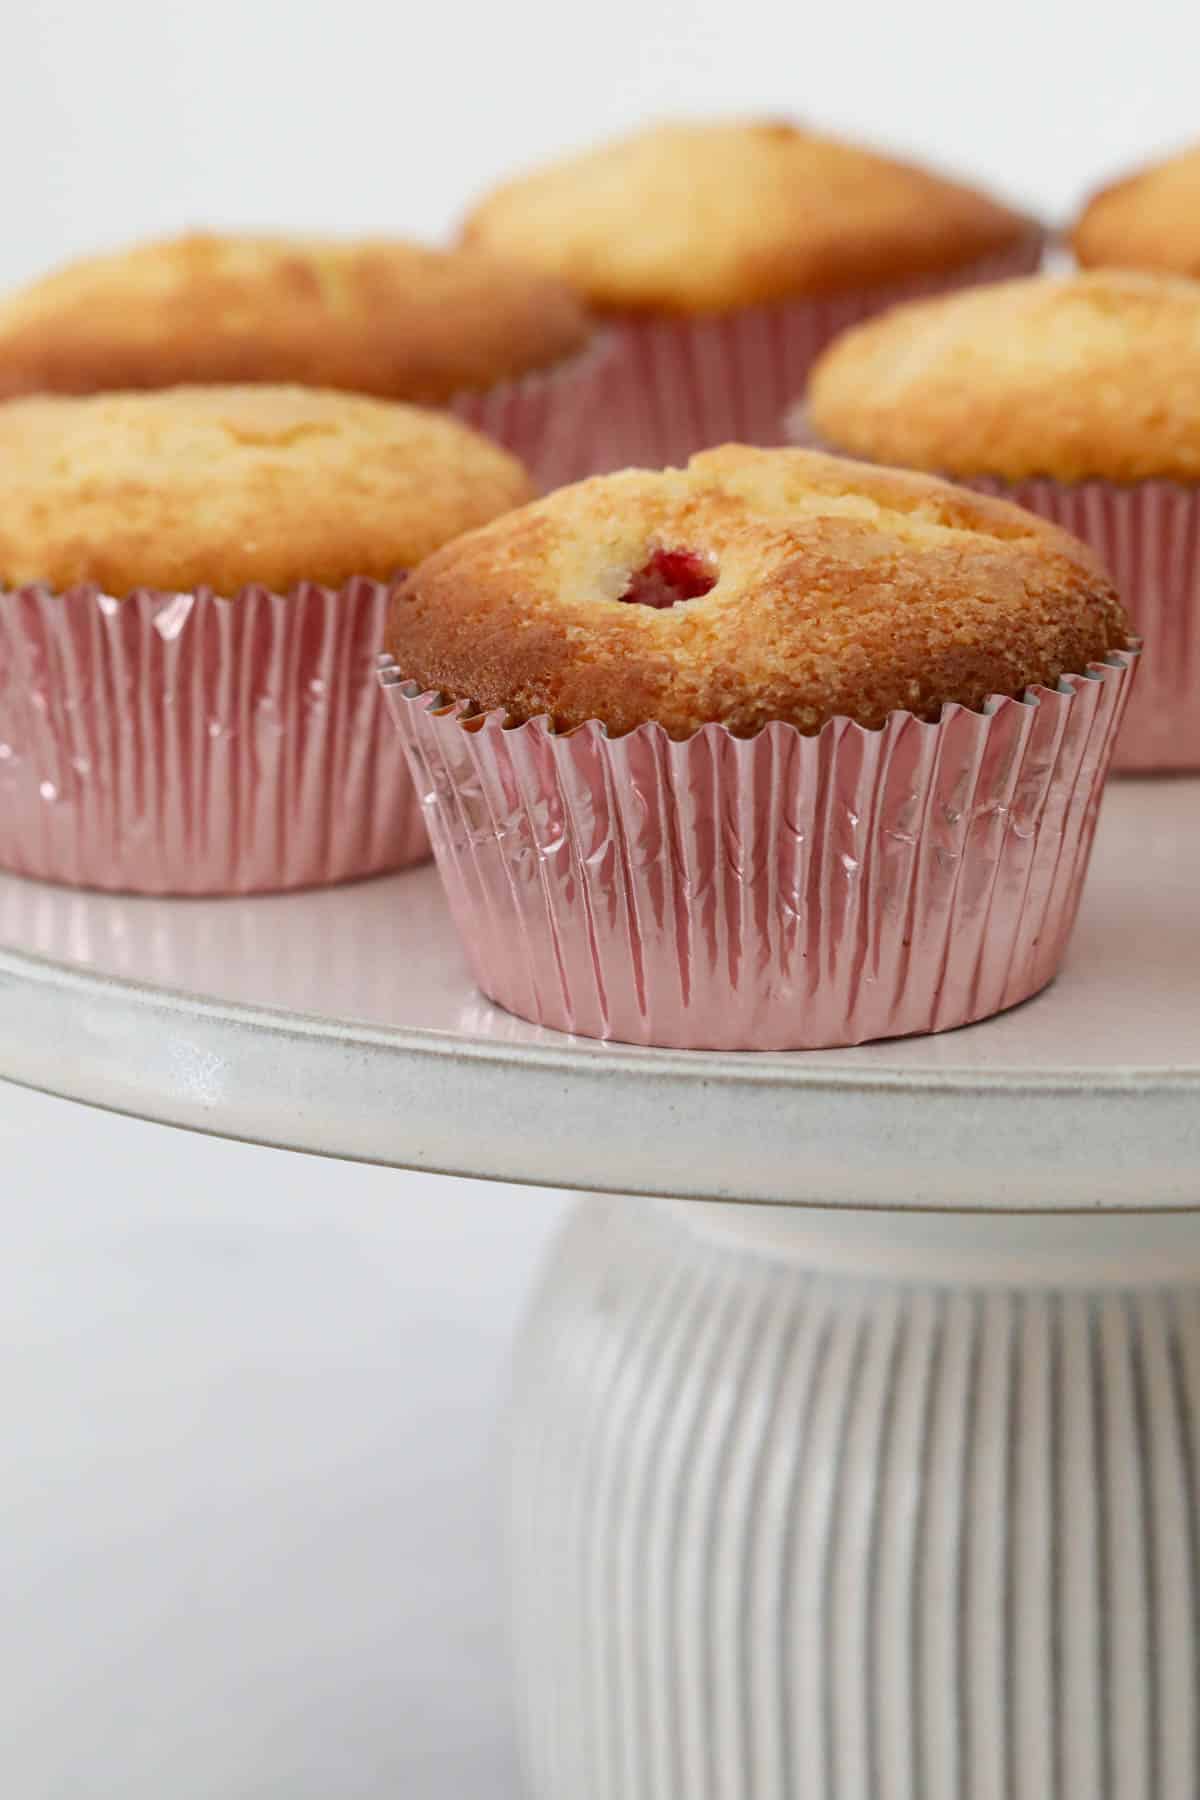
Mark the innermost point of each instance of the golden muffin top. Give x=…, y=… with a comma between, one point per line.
x=754, y=585
x=221, y=487
x=1150, y=220
x=398, y=320
x=696, y=218
x=1085, y=376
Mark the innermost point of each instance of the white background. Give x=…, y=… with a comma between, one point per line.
x=127, y=116
x=248, y=1517
x=247, y=1514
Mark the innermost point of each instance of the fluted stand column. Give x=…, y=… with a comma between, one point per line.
x=859, y=1507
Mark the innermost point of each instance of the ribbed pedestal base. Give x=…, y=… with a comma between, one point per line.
x=859, y=1508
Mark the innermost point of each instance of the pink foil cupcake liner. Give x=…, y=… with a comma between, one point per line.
x=552, y=420
x=685, y=384
x=1148, y=535
x=186, y=744
x=772, y=893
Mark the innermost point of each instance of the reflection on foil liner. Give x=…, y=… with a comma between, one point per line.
x=776, y=892
x=283, y=951
x=553, y=420
x=187, y=744
x=1148, y=536
x=683, y=384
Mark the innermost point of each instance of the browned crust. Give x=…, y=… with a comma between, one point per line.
x=396, y=320
x=1148, y=220
x=219, y=487
x=1088, y=376
x=696, y=218
x=843, y=591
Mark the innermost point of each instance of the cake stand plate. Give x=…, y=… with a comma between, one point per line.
x=343, y=1021
x=888, y=1493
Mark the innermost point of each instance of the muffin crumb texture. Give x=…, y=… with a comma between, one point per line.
x=1091, y=376
x=754, y=585
x=1150, y=220
x=222, y=487
x=705, y=217
x=397, y=320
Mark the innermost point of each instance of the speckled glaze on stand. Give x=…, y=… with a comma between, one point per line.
x=887, y=1491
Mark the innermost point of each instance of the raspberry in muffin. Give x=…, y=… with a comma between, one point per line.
x=752, y=586
x=773, y=751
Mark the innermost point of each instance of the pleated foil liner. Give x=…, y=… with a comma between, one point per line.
x=772, y=893
x=553, y=420
x=1148, y=535
x=186, y=744
x=685, y=384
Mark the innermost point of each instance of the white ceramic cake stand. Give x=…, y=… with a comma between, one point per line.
x=888, y=1491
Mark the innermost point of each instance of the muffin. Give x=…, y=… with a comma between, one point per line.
x=776, y=751
x=1150, y=220
x=510, y=351
x=730, y=253
x=1078, y=397
x=193, y=591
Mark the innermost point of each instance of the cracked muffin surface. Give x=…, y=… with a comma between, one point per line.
x=1148, y=220
x=1083, y=376
x=379, y=316
x=700, y=217
x=754, y=585
x=220, y=487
